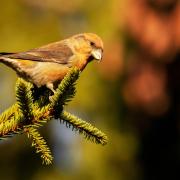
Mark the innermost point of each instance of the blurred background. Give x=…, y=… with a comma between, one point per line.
x=133, y=95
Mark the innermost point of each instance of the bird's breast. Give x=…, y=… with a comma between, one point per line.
x=44, y=73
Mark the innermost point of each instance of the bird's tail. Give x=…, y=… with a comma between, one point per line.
x=3, y=54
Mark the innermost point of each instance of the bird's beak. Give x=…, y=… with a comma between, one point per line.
x=97, y=54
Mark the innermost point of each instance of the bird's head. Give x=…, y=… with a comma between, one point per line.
x=91, y=44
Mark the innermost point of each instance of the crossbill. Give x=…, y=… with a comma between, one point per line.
x=47, y=65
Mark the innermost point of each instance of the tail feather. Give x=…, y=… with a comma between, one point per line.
x=2, y=55
x=5, y=53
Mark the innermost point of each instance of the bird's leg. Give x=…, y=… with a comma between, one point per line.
x=51, y=87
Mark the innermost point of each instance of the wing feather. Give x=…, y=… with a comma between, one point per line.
x=57, y=52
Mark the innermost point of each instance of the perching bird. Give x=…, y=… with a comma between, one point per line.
x=49, y=64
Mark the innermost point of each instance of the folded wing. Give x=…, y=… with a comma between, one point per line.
x=55, y=52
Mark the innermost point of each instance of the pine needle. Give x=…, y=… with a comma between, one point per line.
x=8, y=113
x=24, y=98
x=65, y=91
x=90, y=132
x=39, y=144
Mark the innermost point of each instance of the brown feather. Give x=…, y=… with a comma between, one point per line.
x=55, y=52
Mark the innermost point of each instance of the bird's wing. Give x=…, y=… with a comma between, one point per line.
x=55, y=52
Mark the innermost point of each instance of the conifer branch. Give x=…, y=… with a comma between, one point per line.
x=8, y=113
x=90, y=132
x=65, y=91
x=17, y=122
x=24, y=98
x=28, y=114
x=10, y=127
x=40, y=145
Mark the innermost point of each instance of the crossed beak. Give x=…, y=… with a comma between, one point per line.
x=97, y=54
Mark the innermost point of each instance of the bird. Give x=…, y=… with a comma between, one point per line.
x=47, y=65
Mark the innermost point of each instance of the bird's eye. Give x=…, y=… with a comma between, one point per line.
x=92, y=43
